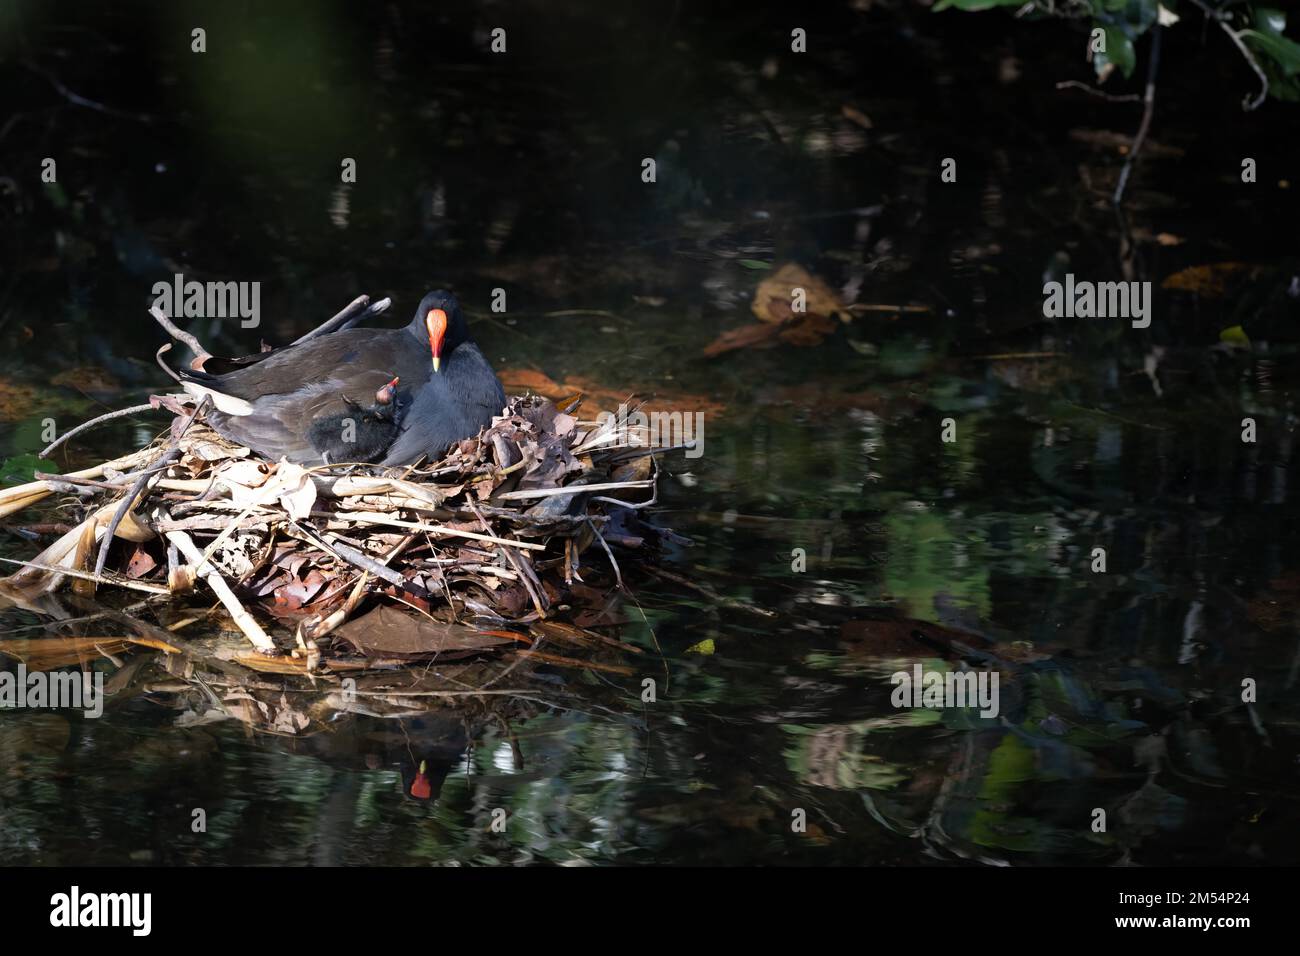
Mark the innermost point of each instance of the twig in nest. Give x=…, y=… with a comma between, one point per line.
x=61, y=481
x=252, y=630
x=352, y=556
x=366, y=517
x=179, y=335
x=314, y=628
x=538, y=603
x=632, y=505
x=618, y=575
x=366, y=563
x=571, y=490
x=120, y=580
x=173, y=452
x=120, y=413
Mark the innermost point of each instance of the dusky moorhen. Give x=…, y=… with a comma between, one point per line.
x=429, y=382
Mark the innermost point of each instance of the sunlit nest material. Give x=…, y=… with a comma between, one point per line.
x=438, y=582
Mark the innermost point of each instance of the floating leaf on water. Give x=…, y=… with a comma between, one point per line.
x=775, y=295
x=1235, y=335
x=794, y=307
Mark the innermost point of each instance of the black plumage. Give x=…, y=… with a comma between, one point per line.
x=297, y=402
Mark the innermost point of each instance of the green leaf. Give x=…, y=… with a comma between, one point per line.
x=18, y=470
x=1278, y=56
x=1267, y=38
x=1119, y=50
x=1234, y=335
x=754, y=264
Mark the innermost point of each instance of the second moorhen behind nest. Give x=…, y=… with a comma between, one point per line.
x=360, y=394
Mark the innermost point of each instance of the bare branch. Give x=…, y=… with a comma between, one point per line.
x=120, y=413
x=1109, y=97
x=179, y=335
x=1221, y=17
x=173, y=452
x=1148, y=109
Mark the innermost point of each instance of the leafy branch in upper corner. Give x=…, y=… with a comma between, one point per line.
x=1256, y=31
x=1116, y=25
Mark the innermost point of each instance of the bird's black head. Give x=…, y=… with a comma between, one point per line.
x=439, y=321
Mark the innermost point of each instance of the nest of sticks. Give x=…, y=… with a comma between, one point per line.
x=384, y=589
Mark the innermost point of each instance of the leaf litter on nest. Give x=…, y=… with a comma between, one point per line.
x=355, y=560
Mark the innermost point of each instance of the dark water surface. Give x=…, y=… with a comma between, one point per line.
x=1123, y=689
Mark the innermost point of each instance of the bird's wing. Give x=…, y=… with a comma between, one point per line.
x=359, y=354
x=279, y=425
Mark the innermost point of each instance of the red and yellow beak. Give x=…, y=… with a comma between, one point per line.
x=436, y=323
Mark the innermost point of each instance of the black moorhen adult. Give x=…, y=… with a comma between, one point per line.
x=360, y=394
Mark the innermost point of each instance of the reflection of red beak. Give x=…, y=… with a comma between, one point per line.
x=436, y=323
x=420, y=788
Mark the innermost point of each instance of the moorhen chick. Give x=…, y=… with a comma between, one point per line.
x=430, y=384
x=360, y=433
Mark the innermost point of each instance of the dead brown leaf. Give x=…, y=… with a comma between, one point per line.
x=388, y=632
x=1210, y=281
x=760, y=335
x=773, y=298
x=140, y=564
